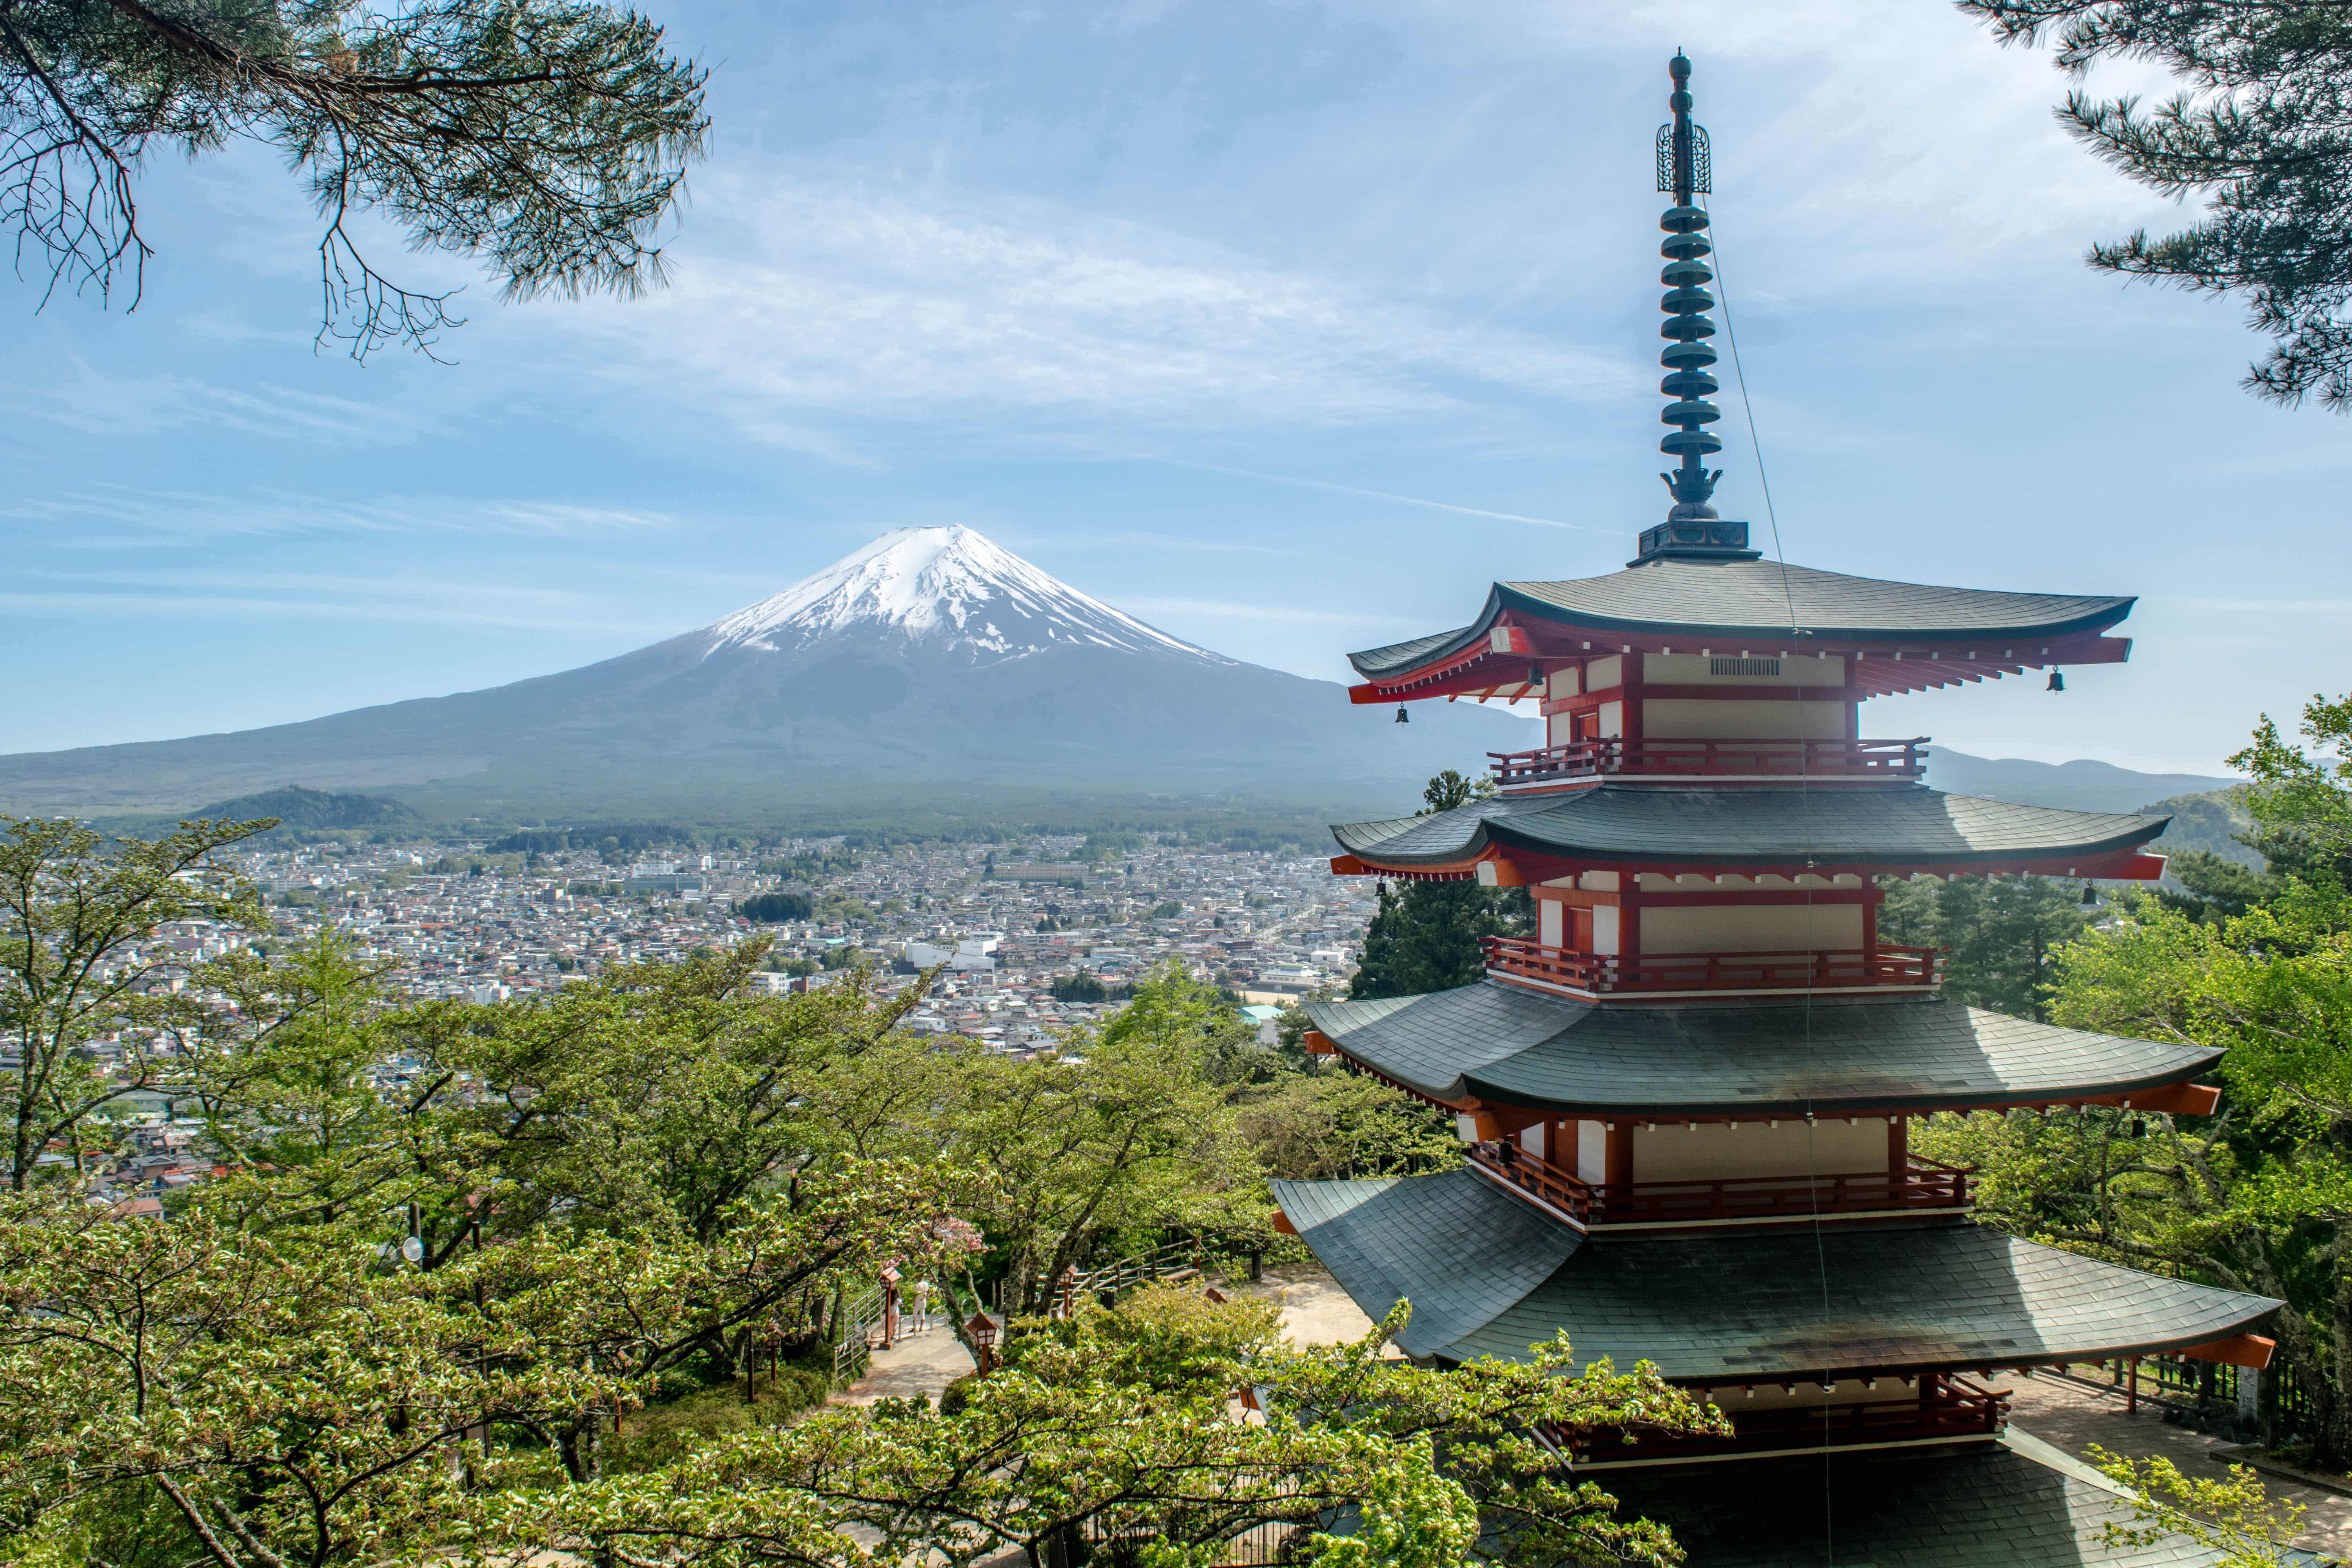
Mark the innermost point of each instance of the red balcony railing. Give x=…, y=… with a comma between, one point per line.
x=1715, y=759
x=1945, y=1408
x=1922, y=1185
x=1598, y=973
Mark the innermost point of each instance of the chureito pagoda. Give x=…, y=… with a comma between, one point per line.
x=1687, y=1099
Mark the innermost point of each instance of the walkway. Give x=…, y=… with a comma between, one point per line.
x=2070, y=1417
x=923, y=1363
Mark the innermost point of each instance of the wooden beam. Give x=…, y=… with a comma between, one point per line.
x=2250, y=1351
x=1348, y=866
x=1319, y=1043
x=2176, y=1099
x=1282, y=1226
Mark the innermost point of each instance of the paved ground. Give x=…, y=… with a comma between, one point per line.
x=921, y=1363
x=2071, y=1417
x=1315, y=1311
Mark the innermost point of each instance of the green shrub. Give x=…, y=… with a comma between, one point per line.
x=672, y=1427
x=957, y=1395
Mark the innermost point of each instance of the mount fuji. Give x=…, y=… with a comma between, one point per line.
x=931, y=669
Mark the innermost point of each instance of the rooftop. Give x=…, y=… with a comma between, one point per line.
x=1504, y=1043
x=1903, y=824
x=1488, y=1275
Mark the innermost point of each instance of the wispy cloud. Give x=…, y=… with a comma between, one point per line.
x=866, y=303
x=294, y=596
x=82, y=501
x=1229, y=609
x=1371, y=495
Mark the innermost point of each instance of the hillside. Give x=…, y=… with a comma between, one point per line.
x=932, y=672
x=2082, y=786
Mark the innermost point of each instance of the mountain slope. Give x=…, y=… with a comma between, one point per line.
x=930, y=666
x=2081, y=785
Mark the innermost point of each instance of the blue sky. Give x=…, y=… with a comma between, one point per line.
x=1287, y=326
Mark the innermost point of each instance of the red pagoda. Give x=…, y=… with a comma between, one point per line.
x=1688, y=1100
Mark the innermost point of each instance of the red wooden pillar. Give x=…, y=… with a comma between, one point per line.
x=1617, y=1161
x=1898, y=1150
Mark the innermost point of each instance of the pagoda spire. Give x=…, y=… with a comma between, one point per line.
x=1692, y=529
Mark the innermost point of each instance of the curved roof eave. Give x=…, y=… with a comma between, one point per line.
x=1507, y=595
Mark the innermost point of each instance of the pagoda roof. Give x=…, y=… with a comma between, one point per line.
x=1735, y=1308
x=1766, y=603
x=1655, y=823
x=2014, y=1504
x=1507, y=1044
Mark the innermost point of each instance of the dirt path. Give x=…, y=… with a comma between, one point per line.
x=2069, y=1417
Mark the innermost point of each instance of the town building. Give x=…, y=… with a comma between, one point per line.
x=1688, y=1099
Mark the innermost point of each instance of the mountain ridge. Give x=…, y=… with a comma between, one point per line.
x=929, y=665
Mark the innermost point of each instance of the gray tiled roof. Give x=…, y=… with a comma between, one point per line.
x=1506, y=1043
x=1754, y=599
x=1990, y=1507
x=1475, y=1258
x=1725, y=1308
x=1767, y=826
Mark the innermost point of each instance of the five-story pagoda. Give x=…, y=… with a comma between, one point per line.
x=1688, y=1099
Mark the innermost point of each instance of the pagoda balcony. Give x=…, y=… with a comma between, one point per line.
x=1946, y=1409
x=1606, y=974
x=1923, y=1184
x=1831, y=760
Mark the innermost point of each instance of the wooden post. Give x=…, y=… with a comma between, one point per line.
x=2131, y=1395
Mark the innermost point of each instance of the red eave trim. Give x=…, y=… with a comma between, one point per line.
x=1535, y=866
x=1880, y=668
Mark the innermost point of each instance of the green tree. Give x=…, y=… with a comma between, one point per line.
x=2258, y=1198
x=547, y=137
x=78, y=921
x=1425, y=937
x=1121, y=1426
x=769, y=907
x=309, y=1398
x=2000, y=934
x=1083, y=987
x=1121, y=1133
x=1319, y=1126
x=2263, y=132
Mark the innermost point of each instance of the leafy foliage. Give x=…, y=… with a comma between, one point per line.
x=1999, y=935
x=2233, y=1518
x=1425, y=937
x=78, y=922
x=548, y=137
x=772, y=908
x=2258, y=1198
x=520, y=1298
x=2263, y=132
x=1121, y=1425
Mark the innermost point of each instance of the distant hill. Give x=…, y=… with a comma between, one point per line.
x=300, y=810
x=2077, y=786
x=2205, y=822
x=931, y=671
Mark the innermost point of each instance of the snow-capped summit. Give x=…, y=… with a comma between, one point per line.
x=950, y=588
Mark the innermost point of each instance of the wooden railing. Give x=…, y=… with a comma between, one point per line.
x=1885, y=965
x=1717, y=759
x=1922, y=1185
x=1946, y=1407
